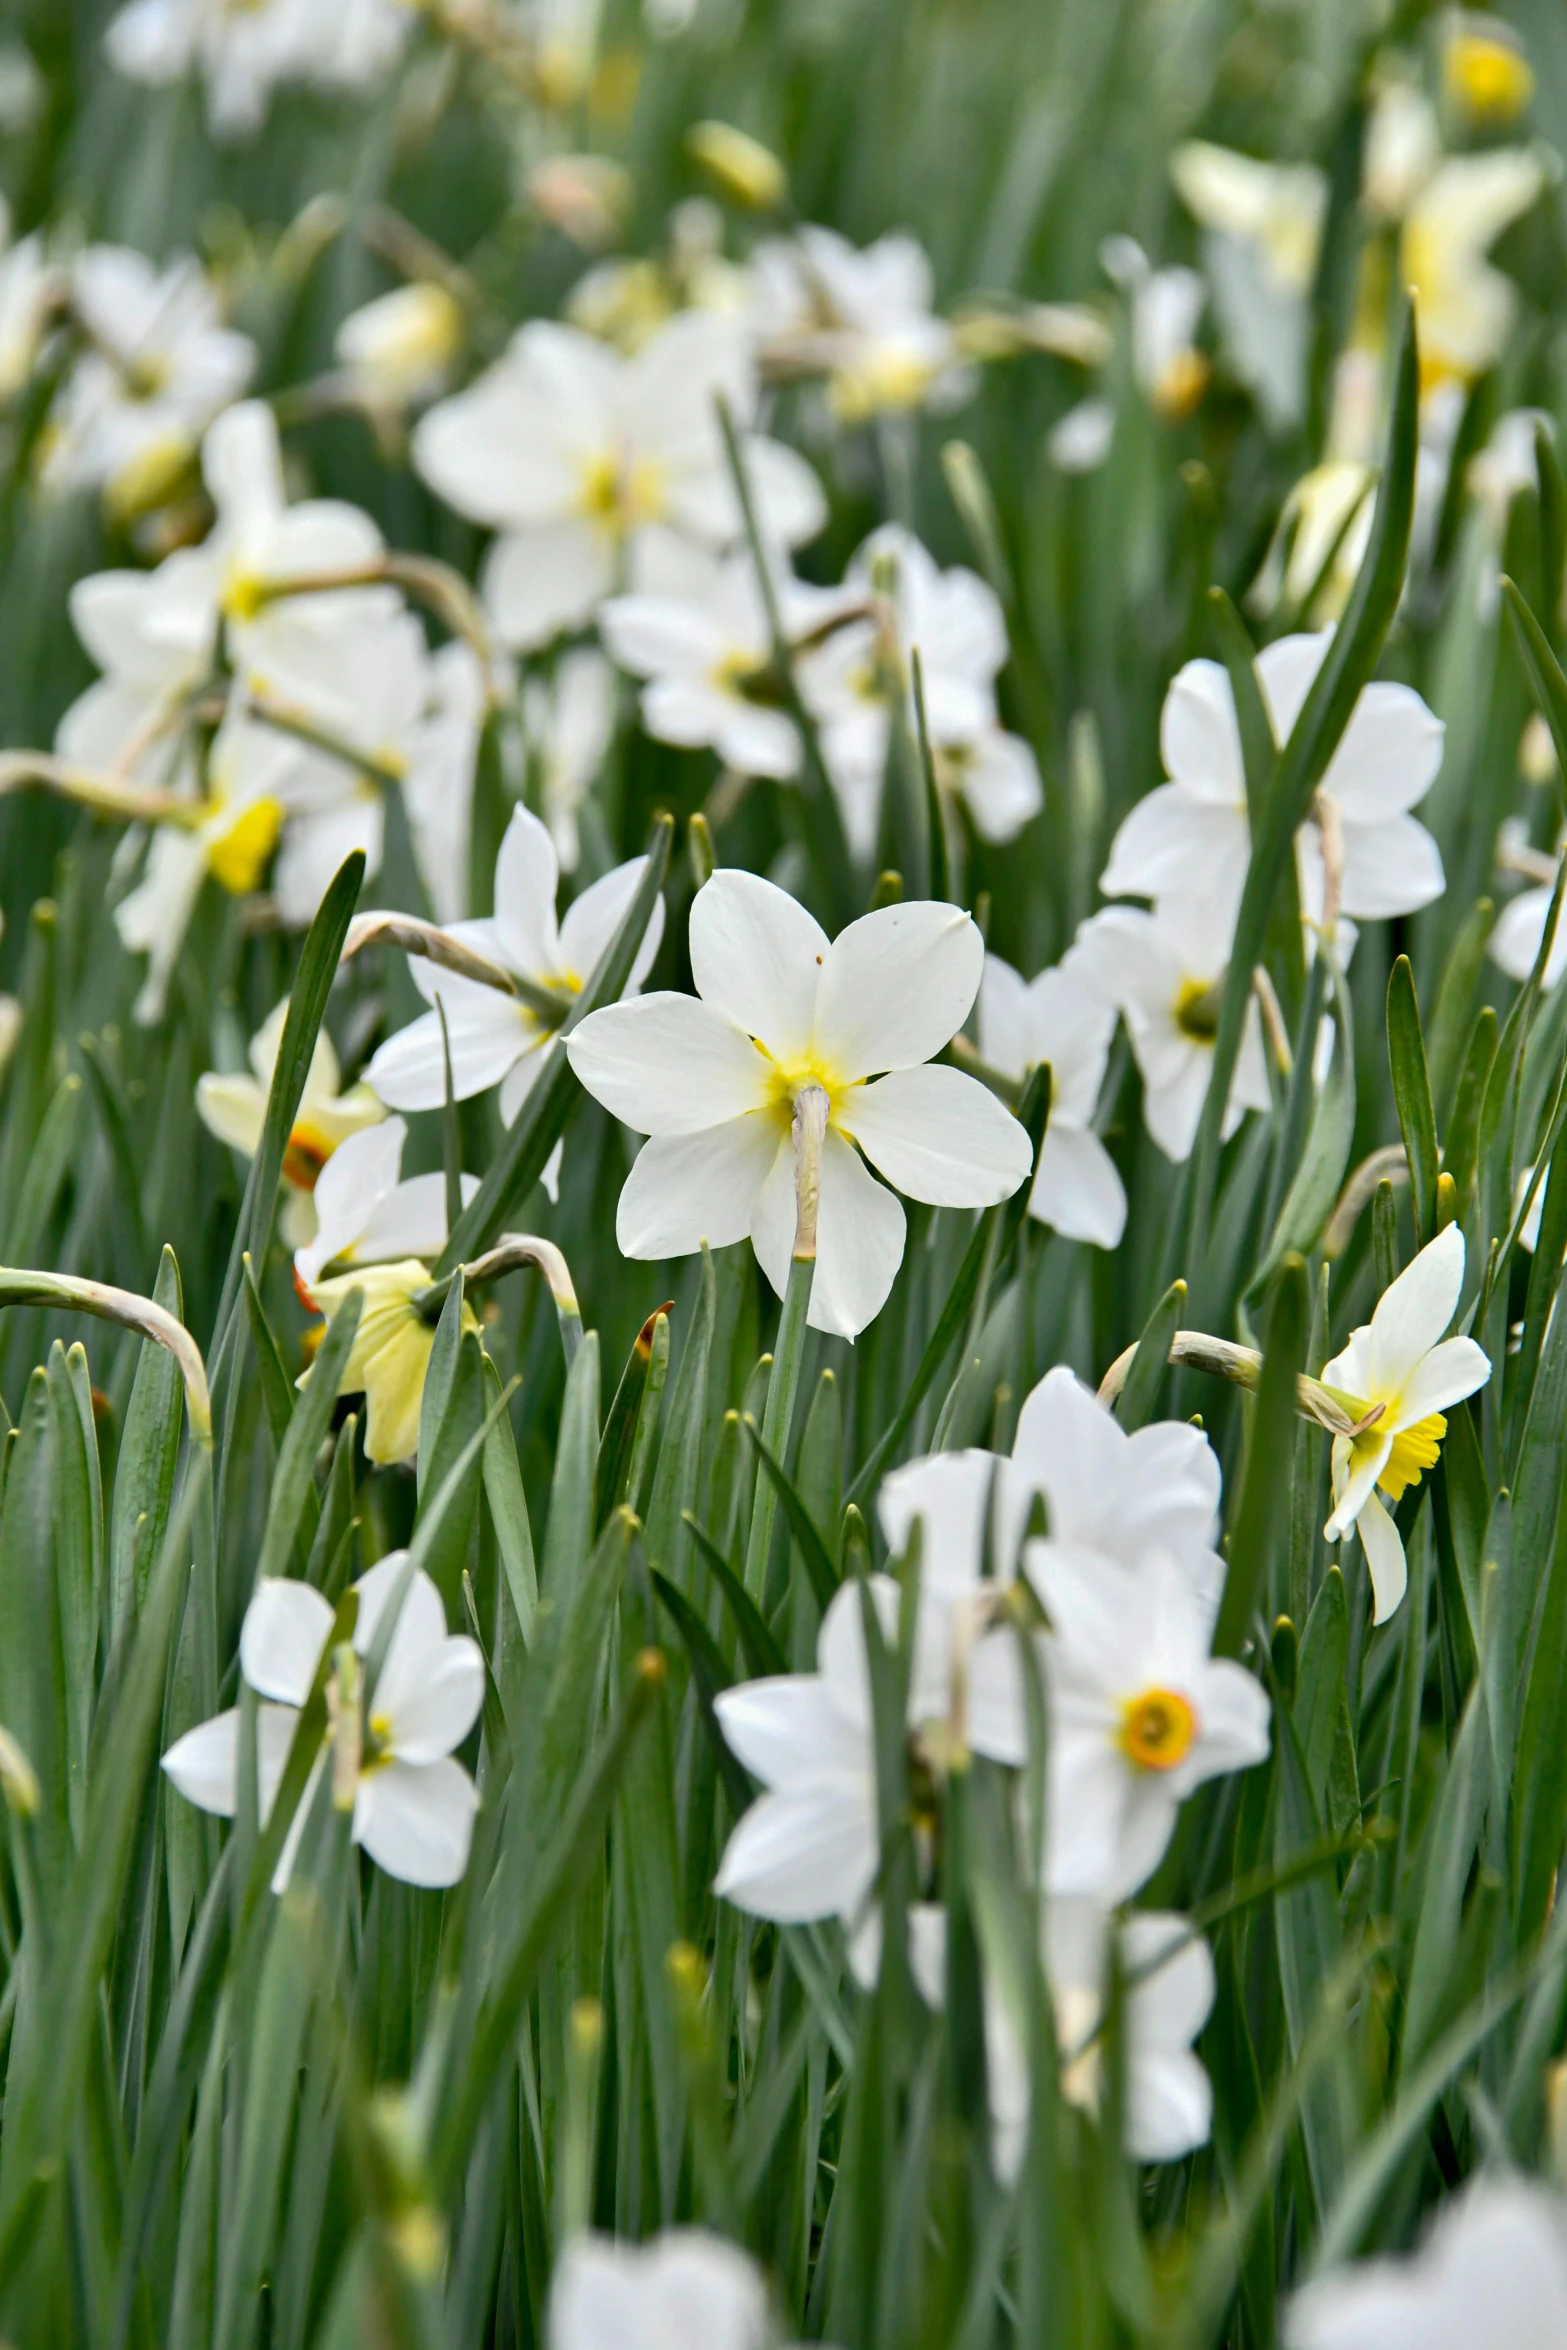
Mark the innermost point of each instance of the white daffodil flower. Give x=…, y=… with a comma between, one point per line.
x=1397, y=1376
x=1140, y=1712
x=1059, y=1017
x=243, y=53
x=1168, y=1998
x=153, y=634
x=398, y=351
x=810, y=1847
x=413, y=1804
x=234, y=1108
x=683, y=2290
x=30, y=288
x=390, y=1357
x=1262, y=226
x=1464, y=308
x=1514, y=944
x=1193, y=834
x=439, y=764
x=583, y=461
x=1492, y=2275
x=1164, y=972
x=863, y=318
x=625, y=301
x=266, y=544
x=568, y=722
x=1166, y=308
x=497, y=1039
x=858, y=679
x=365, y=1216
x=714, y=1078
x=704, y=647
x=158, y=366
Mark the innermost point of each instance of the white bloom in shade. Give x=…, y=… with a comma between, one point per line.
x=583, y=461
x=1515, y=942
x=1403, y=147
x=413, y=1805
x=234, y=1108
x=1262, y=227
x=1079, y=442
x=158, y=367
x=1464, y=308
x=858, y=683
x=29, y=290
x=1140, y=1713
x=568, y=721
x=863, y=318
x=497, y=1039
x=704, y=648
x=265, y=543
x=1167, y=306
x=1164, y=972
x=714, y=1078
x=365, y=1216
x=1168, y=1998
x=1063, y=1019
x=1491, y=2276
x=153, y=635
x=810, y=1847
x=685, y=2290
x=399, y=350
x=241, y=53
x=1398, y=1374
x=442, y=755
x=1193, y=834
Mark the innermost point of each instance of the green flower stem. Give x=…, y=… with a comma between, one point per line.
x=810, y=1129
x=67, y=1293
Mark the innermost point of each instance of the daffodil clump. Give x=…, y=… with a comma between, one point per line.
x=783, y=1107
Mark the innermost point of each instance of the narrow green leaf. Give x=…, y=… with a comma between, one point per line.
x=1406, y=1054
x=762, y=1652
x=294, y=1476
x=1134, y=1406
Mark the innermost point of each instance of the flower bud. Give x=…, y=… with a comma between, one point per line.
x=742, y=167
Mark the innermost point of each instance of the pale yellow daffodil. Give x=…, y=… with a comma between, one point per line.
x=390, y=1355
x=234, y=1108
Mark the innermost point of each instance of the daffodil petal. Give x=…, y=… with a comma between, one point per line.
x=758, y=956
x=859, y=1243
x=940, y=1136
x=286, y=1627
x=685, y=1189
x=668, y=1064
x=1384, y=1558
x=896, y=986
x=416, y=1820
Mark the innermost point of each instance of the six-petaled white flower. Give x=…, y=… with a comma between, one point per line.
x=413, y=1803
x=1492, y=2275
x=779, y=1008
x=584, y=462
x=1059, y=1017
x=864, y=319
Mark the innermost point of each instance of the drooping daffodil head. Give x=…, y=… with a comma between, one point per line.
x=390, y=1355
x=1397, y=1377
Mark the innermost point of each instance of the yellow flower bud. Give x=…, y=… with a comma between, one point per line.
x=1484, y=71
x=742, y=167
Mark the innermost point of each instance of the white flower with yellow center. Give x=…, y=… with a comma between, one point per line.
x=584, y=462
x=365, y=1215
x=158, y=366
x=1192, y=835
x=1397, y=1376
x=234, y=1108
x=1140, y=1712
x=1492, y=2275
x=857, y=684
x=1262, y=227
x=1167, y=2000
x=1062, y=1018
x=1164, y=973
x=392, y=1761
x=703, y=646
x=780, y=1008
x=496, y=1038
x=398, y=351
x=863, y=318
x=390, y=1356
x=1166, y=307
x=1464, y=308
